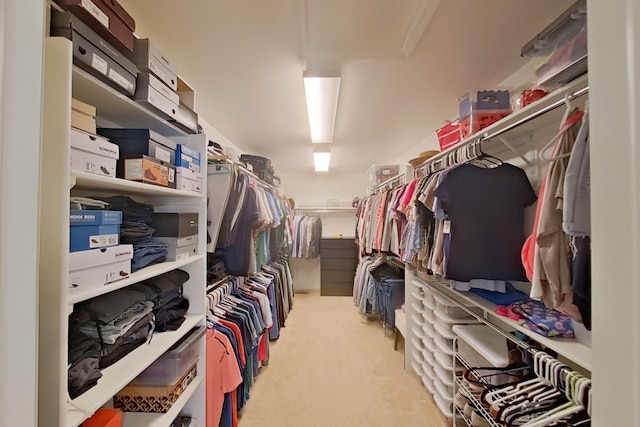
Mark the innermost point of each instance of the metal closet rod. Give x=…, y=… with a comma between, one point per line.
x=486, y=137
x=247, y=172
x=386, y=183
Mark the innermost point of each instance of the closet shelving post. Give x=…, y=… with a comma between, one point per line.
x=520, y=125
x=62, y=81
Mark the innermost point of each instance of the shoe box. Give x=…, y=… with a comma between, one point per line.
x=99, y=267
x=179, y=231
x=107, y=18
x=150, y=170
x=83, y=116
x=187, y=157
x=158, y=80
x=146, y=147
x=186, y=118
x=93, y=54
x=93, y=154
x=92, y=229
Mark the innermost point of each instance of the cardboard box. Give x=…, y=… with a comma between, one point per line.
x=92, y=53
x=94, y=217
x=149, y=58
x=83, y=108
x=186, y=184
x=99, y=267
x=150, y=170
x=84, y=237
x=83, y=122
x=175, y=224
x=187, y=94
x=90, y=153
x=153, y=398
x=186, y=119
x=107, y=17
x=159, y=103
x=150, y=89
x=187, y=157
x=177, y=249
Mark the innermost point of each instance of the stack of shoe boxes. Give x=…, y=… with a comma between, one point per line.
x=146, y=156
x=96, y=258
x=179, y=231
x=189, y=175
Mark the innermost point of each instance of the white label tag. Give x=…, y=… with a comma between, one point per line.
x=446, y=227
x=99, y=64
x=172, y=175
x=116, y=77
x=157, y=71
x=194, y=167
x=133, y=169
x=182, y=256
x=162, y=154
x=101, y=240
x=94, y=10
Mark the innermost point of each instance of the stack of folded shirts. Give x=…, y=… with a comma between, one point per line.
x=136, y=230
x=121, y=320
x=215, y=267
x=84, y=357
x=165, y=292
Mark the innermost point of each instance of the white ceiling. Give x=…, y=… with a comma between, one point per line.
x=246, y=59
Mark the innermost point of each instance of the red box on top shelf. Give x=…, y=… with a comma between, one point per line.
x=478, y=120
x=449, y=134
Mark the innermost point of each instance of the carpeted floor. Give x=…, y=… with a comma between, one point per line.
x=332, y=367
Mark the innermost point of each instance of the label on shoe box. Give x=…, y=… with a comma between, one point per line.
x=94, y=217
x=187, y=157
x=84, y=237
x=150, y=170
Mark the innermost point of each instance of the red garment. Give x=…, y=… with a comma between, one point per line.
x=529, y=248
x=223, y=374
x=262, y=350
x=236, y=331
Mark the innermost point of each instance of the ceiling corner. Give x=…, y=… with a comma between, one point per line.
x=426, y=9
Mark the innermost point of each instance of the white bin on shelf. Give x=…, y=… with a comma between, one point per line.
x=450, y=308
x=481, y=346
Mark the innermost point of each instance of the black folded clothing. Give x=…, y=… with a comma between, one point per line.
x=83, y=375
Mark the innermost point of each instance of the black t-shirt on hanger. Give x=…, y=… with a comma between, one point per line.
x=486, y=209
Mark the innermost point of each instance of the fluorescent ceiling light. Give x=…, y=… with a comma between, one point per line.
x=321, y=161
x=322, y=102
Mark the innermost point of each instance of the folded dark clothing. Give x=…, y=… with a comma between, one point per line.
x=120, y=352
x=174, y=325
x=166, y=315
x=83, y=375
x=149, y=258
x=131, y=209
x=81, y=348
x=142, y=328
x=164, y=288
x=107, y=307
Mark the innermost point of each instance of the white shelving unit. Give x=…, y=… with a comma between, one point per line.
x=58, y=183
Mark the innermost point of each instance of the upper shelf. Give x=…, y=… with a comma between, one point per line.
x=539, y=114
x=94, y=182
x=117, y=108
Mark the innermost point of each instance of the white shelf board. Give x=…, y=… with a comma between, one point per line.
x=573, y=350
x=90, y=181
x=77, y=295
x=116, y=107
x=118, y=375
x=150, y=419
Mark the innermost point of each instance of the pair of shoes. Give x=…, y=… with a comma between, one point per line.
x=461, y=400
x=478, y=420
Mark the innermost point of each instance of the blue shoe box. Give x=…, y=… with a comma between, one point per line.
x=187, y=157
x=93, y=229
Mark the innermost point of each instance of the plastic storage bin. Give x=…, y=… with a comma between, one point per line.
x=381, y=173
x=451, y=308
x=449, y=134
x=483, y=100
x=172, y=365
x=480, y=119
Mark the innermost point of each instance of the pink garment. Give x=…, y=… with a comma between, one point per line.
x=223, y=374
x=407, y=197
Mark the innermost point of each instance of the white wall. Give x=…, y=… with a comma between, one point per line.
x=21, y=40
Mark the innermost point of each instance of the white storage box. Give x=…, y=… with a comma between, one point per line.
x=448, y=321
x=481, y=346
x=186, y=184
x=93, y=154
x=99, y=267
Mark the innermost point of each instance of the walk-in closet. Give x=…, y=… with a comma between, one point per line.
x=302, y=213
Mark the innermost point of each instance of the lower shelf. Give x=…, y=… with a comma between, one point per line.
x=116, y=376
x=148, y=419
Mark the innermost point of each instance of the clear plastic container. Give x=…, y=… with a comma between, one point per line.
x=381, y=173
x=451, y=308
x=172, y=365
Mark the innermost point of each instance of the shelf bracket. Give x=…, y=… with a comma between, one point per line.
x=513, y=149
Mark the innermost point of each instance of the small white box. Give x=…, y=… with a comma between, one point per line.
x=93, y=154
x=99, y=267
x=180, y=247
x=186, y=184
x=189, y=174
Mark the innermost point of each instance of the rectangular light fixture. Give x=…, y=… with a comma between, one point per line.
x=321, y=161
x=322, y=102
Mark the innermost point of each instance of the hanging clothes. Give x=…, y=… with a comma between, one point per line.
x=307, y=235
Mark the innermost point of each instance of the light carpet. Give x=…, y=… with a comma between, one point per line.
x=333, y=367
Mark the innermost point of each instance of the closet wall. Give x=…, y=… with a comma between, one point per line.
x=317, y=190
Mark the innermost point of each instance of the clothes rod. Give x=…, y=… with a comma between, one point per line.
x=387, y=182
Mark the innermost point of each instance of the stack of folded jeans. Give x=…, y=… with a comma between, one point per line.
x=84, y=357
x=165, y=292
x=136, y=230
x=121, y=320
x=215, y=267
